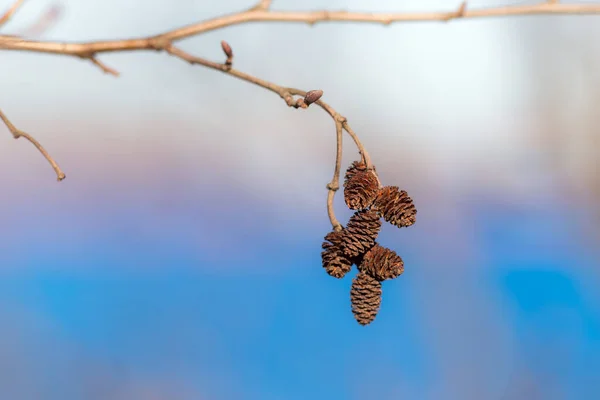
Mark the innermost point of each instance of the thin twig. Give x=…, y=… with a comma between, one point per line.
x=17, y=133
x=287, y=94
x=334, y=185
x=10, y=12
x=106, y=69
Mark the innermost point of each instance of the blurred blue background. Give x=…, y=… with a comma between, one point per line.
x=180, y=259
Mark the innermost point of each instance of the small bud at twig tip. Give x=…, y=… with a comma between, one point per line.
x=227, y=49
x=312, y=96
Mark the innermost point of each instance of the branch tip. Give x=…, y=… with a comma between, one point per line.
x=17, y=133
x=105, y=68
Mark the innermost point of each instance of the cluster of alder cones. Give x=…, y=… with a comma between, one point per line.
x=356, y=243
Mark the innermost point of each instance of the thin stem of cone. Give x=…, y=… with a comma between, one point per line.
x=334, y=185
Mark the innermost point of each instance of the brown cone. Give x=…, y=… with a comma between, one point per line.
x=361, y=231
x=334, y=261
x=396, y=206
x=365, y=297
x=356, y=166
x=382, y=263
x=360, y=187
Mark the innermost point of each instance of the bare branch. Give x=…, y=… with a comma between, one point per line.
x=10, y=12
x=310, y=17
x=17, y=133
x=261, y=12
x=386, y=205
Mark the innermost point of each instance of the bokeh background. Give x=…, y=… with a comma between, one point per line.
x=180, y=259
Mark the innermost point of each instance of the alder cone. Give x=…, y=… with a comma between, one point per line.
x=381, y=263
x=361, y=231
x=395, y=206
x=334, y=261
x=365, y=297
x=360, y=188
x=356, y=166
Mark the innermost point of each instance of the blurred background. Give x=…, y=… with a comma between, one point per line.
x=180, y=259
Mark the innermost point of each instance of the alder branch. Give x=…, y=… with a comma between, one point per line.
x=162, y=43
x=261, y=12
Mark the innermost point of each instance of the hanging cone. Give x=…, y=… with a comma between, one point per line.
x=395, y=206
x=365, y=297
x=356, y=166
x=361, y=231
x=382, y=263
x=334, y=261
x=360, y=187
